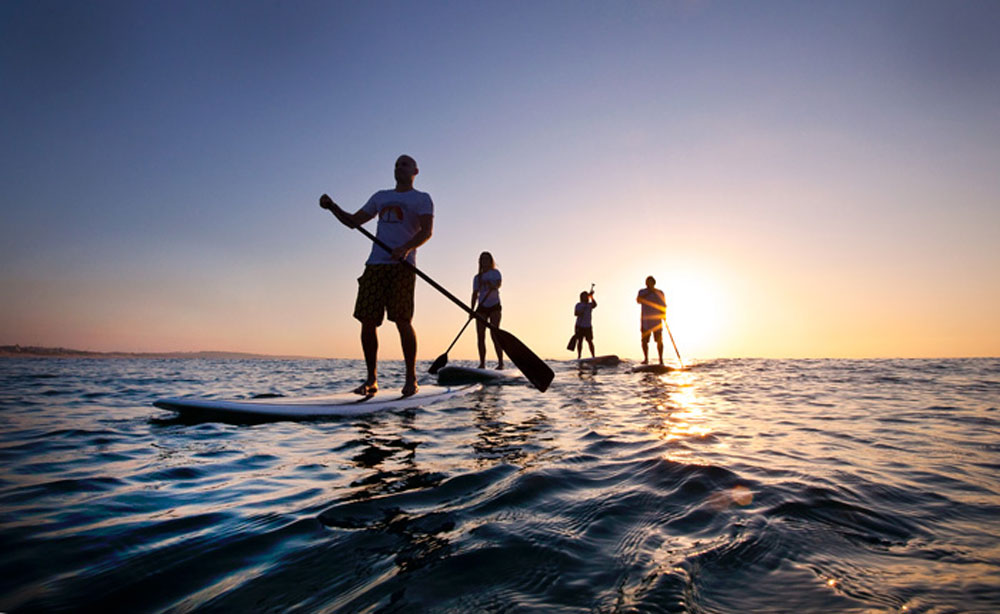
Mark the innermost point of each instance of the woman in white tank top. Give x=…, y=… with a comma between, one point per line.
x=486, y=303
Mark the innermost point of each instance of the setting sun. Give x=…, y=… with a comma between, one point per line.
x=696, y=311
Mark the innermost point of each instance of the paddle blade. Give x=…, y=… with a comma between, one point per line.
x=533, y=367
x=441, y=361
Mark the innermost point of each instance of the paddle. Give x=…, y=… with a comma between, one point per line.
x=665, y=325
x=534, y=368
x=442, y=360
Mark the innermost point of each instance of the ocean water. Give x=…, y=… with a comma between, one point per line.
x=738, y=486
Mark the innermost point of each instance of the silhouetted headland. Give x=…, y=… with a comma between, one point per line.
x=28, y=351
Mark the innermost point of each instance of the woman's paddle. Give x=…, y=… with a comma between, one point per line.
x=534, y=368
x=442, y=360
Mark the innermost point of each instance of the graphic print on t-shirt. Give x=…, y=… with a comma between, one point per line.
x=391, y=214
x=399, y=216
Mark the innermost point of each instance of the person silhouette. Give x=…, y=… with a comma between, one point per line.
x=654, y=313
x=405, y=222
x=584, y=328
x=486, y=303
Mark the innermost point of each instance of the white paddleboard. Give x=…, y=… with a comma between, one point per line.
x=453, y=374
x=609, y=360
x=303, y=408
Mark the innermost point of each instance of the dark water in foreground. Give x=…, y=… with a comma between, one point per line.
x=740, y=486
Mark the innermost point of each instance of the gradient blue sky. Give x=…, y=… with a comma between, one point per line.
x=803, y=178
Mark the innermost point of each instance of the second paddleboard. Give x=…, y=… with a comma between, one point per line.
x=455, y=375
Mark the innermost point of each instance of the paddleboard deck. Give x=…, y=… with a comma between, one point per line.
x=658, y=369
x=307, y=408
x=608, y=360
x=454, y=374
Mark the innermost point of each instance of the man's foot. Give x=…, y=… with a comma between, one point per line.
x=645, y=362
x=367, y=389
x=410, y=388
x=500, y=366
x=482, y=365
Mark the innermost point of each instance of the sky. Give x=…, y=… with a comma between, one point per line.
x=803, y=179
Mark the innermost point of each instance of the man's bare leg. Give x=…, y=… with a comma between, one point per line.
x=408, y=339
x=369, y=345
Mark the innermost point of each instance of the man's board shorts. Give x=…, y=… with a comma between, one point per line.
x=655, y=328
x=385, y=289
x=585, y=332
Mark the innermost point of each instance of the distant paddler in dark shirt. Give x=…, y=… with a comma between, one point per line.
x=654, y=312
x=405, y=222
x=486, y=302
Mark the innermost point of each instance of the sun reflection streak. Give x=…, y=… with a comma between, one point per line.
x=681, y=413
x=682, y=416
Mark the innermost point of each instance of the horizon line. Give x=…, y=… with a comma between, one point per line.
x=34, y=351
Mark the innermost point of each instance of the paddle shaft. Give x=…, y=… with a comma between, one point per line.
x=426, y=278
x=667, y=326
x=466, y=325
x=534, y=368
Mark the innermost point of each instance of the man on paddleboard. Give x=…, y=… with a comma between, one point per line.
x=654, y=312
x=405, y=222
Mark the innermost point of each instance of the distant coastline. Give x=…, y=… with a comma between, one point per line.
x=28, y=351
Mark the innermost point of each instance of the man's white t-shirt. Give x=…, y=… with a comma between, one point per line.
x=488, y=286
x=398, y=221
x=654, y=308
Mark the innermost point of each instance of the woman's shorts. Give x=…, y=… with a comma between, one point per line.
x=385, y=289
x=486, y=312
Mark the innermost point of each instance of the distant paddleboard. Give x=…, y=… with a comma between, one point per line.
x=608, y=360
x=659, y=369
x=305, y=408
x=452, y=375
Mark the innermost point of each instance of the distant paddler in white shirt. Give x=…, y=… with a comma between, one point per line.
x=405, y=222
x=654, y=313
x=486, y=303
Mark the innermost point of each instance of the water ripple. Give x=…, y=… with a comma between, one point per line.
x=741, y=485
